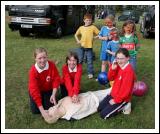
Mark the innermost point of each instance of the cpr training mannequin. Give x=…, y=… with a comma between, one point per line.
x=87, y=105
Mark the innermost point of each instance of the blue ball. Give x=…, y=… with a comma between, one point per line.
x=103, y=78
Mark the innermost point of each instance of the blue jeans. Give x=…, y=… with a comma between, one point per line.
x=133, y=61
x=88, y=52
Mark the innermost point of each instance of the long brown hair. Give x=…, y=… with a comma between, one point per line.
x=128, y=22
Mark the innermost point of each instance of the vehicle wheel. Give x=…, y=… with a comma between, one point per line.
x=23, y=33
x=145, y=33
x=59, y=32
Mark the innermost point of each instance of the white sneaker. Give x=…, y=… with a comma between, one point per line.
x=127, y=108
x=90, y=76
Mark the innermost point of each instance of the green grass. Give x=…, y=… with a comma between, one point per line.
x=19, y=58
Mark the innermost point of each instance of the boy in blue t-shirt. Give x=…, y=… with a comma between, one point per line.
x=113, y=45
x=105, y=37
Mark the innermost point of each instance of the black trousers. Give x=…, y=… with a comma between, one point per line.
x=63, y=90
x=106, y=110
x=45, y=102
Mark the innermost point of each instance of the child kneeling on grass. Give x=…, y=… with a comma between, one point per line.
x=44, y=81
x=71, y=77
x=123, y=75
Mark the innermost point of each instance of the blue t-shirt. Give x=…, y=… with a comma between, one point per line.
x=113, y=46
x=104, y=32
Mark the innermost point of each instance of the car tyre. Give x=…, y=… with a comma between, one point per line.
x=145, y=33
x=59, y=32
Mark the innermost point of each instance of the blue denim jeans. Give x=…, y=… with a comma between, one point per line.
x=133, y=61
x=88, y=52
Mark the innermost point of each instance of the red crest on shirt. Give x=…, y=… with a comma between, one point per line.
x=48, y=78
x=120, y=77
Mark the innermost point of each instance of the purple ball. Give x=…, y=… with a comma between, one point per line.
x=140, y=88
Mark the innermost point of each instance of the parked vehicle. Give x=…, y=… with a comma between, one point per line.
x=105, y=13
x=147, y=24
x=49, y=19
x=6, y=7
x=129, y=15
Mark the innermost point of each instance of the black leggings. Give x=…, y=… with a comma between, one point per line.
x=45, y=102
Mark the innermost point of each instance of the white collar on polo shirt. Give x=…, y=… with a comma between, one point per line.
x=125, y=65
x=115, y=41
x=41, y=70
x=74, y=70
x=110, y=28
x=128, y=35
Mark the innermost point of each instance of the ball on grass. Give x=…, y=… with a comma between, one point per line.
x=103, y=78
x=140, y=88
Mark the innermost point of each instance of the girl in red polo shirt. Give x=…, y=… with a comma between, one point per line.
x=123, y=75
x=44, y=80
x=71, y=77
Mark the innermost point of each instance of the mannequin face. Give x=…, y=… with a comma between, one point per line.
x=54, y=114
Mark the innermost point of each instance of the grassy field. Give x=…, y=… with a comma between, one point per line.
x=19, y=58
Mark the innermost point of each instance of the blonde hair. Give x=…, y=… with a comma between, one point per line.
x=111, y=17
x=55, y=113
x=39, y=50
x=115, y=30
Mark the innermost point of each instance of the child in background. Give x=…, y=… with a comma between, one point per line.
x=124, y=77
x=134, y=33
x=44, y=81
x=113, y=45
x=105, y=37
x=87, y=32
x=129, y=41
x=71, y=77
x=133, y=27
